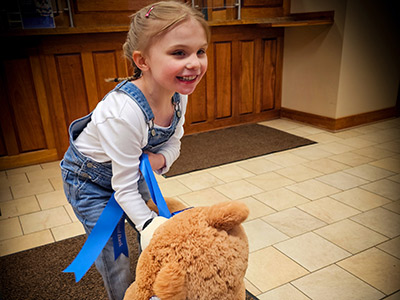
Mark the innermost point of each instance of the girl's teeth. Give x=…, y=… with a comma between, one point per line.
x=188, y=78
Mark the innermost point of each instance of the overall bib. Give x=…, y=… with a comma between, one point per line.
x=87, y=186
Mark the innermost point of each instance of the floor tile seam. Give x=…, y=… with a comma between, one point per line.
x=211, y=186
x=9, y=184
x=19, y=215
x=291, y=284
x=375, y=193
x=52, y=233
x=289, y=258
x=385, y=169
x=66, y=211
x=319, y=198
x=260, y=201
x=254, y=196
x=11, y=193
x=292, y=260
x=331, y=198
x=326, y=267
x=324, y=172
x=20, y=227
x=393, y=201
x=272, y=161
x=33, y=194
x=199, y=191
x=275, y=173
x=325, y=239
x=299, y=181
x=383, y=207
x=356, y=253
x=307, y=213
x=391, y=294
x=357, y=186
x=369, y=164
x=299, y=194
x=361, y=279
x=298, y=289
x=253, y=284
x=27, y=236
x=260, y=218
x=374, y=230
x=386, y=252
x=32, y=182
x=47, y=228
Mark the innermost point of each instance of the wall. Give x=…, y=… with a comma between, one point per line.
x=370, y=69
x=342, y=70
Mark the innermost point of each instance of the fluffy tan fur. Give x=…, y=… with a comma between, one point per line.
x=200, y=253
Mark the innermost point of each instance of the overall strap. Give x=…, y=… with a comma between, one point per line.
x=136, y=95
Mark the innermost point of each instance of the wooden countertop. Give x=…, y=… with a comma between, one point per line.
x=292, y=20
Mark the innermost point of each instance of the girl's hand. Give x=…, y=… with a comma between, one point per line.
x=157, y=161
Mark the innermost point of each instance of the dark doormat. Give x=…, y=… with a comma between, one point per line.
x=214, y=148
x=36, y=274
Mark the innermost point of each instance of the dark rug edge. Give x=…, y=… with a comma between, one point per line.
x=237, y=160
x=71, y=288
x=306, y=142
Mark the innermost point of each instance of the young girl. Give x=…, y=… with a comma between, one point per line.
x=166, y=44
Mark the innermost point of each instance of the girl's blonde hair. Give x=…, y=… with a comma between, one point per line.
x=154, y=20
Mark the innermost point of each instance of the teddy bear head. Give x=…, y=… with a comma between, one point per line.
x=200, y=253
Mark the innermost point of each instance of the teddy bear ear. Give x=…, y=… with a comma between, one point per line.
x=227, y=215
x=170, y=282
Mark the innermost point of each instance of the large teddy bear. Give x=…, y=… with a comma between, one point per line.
x=200, y=253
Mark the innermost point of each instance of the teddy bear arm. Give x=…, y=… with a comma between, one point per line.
x=170, y=282
x=241, y=295
x=173, y=205
x=135, y=293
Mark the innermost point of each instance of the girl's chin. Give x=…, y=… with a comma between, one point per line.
x=187, y=89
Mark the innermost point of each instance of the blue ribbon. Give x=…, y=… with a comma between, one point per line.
x=152, y=184
x=106, y=226
x=112, y=223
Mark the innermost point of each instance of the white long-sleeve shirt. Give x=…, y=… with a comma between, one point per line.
x=117, y=132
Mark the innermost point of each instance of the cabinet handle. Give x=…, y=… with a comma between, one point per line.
x=71, y=19
x=239, y=5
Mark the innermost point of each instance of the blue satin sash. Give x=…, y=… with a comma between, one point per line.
x=112, y=223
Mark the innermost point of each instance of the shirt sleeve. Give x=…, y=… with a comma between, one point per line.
x=172, y=147
x=120, y=131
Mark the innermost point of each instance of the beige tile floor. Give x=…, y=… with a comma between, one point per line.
x=324, y=219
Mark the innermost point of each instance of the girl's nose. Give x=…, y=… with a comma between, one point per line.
x=193, y=63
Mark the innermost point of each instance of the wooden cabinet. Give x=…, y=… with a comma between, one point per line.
x=53, y=81
x=62, y=78
x=50, y=77
x=243, y=80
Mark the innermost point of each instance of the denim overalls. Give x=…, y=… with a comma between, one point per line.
x=87, y=185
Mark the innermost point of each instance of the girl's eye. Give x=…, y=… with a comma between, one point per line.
x=178, y=53
x=201, y=52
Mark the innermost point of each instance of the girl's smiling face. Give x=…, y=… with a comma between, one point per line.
x=177, y=60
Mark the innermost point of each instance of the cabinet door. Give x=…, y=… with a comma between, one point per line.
x=243, y=80
x=77, y=67
x=25, y=121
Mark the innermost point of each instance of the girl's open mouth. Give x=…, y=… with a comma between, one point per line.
x=187, y=78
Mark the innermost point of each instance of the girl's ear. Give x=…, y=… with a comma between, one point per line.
x=139, y=60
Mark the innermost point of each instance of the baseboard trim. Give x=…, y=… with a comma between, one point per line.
x=26, y=159
x=341, y=123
